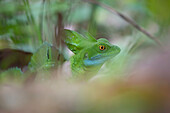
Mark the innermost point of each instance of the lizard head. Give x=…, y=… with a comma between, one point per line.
x=100, y=52
x=95, y=52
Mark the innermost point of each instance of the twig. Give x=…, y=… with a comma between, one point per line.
x=127, y=19
x=59, y=30
x=59, y=35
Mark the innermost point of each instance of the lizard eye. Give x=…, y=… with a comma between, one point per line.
x=102, y=47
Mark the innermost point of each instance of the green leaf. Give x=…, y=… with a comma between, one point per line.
x=11, y=74
x=45, y=58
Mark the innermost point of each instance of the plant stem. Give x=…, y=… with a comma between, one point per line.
x=127, y=19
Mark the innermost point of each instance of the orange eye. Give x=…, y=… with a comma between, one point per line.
x=102, y=47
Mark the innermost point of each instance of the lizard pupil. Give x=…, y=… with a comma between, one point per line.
x=101, y=47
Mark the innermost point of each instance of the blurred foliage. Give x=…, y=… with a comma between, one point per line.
x=26, y=24
x=14, y=74
x=31, y=31
x=45, y=58
x=159, y=9
x=35, y=27
x=14, y=58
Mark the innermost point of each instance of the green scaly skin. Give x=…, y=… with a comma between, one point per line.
x=89, y=54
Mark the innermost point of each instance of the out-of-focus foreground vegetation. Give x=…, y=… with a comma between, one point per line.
x=33, y=57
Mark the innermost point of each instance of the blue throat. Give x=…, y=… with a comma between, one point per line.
x=97, y=60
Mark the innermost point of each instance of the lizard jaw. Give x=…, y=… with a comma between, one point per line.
x=94, y=62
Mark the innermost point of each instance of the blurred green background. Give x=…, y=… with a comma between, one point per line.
x=26, y=24
x=35, y=27
x=31, y=44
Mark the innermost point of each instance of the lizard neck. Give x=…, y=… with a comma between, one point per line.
x=79, y=66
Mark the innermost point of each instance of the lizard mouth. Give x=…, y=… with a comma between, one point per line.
x=96, y=60
x=101, y=58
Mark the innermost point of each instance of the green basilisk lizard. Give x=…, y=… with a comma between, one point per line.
x=90, y=54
